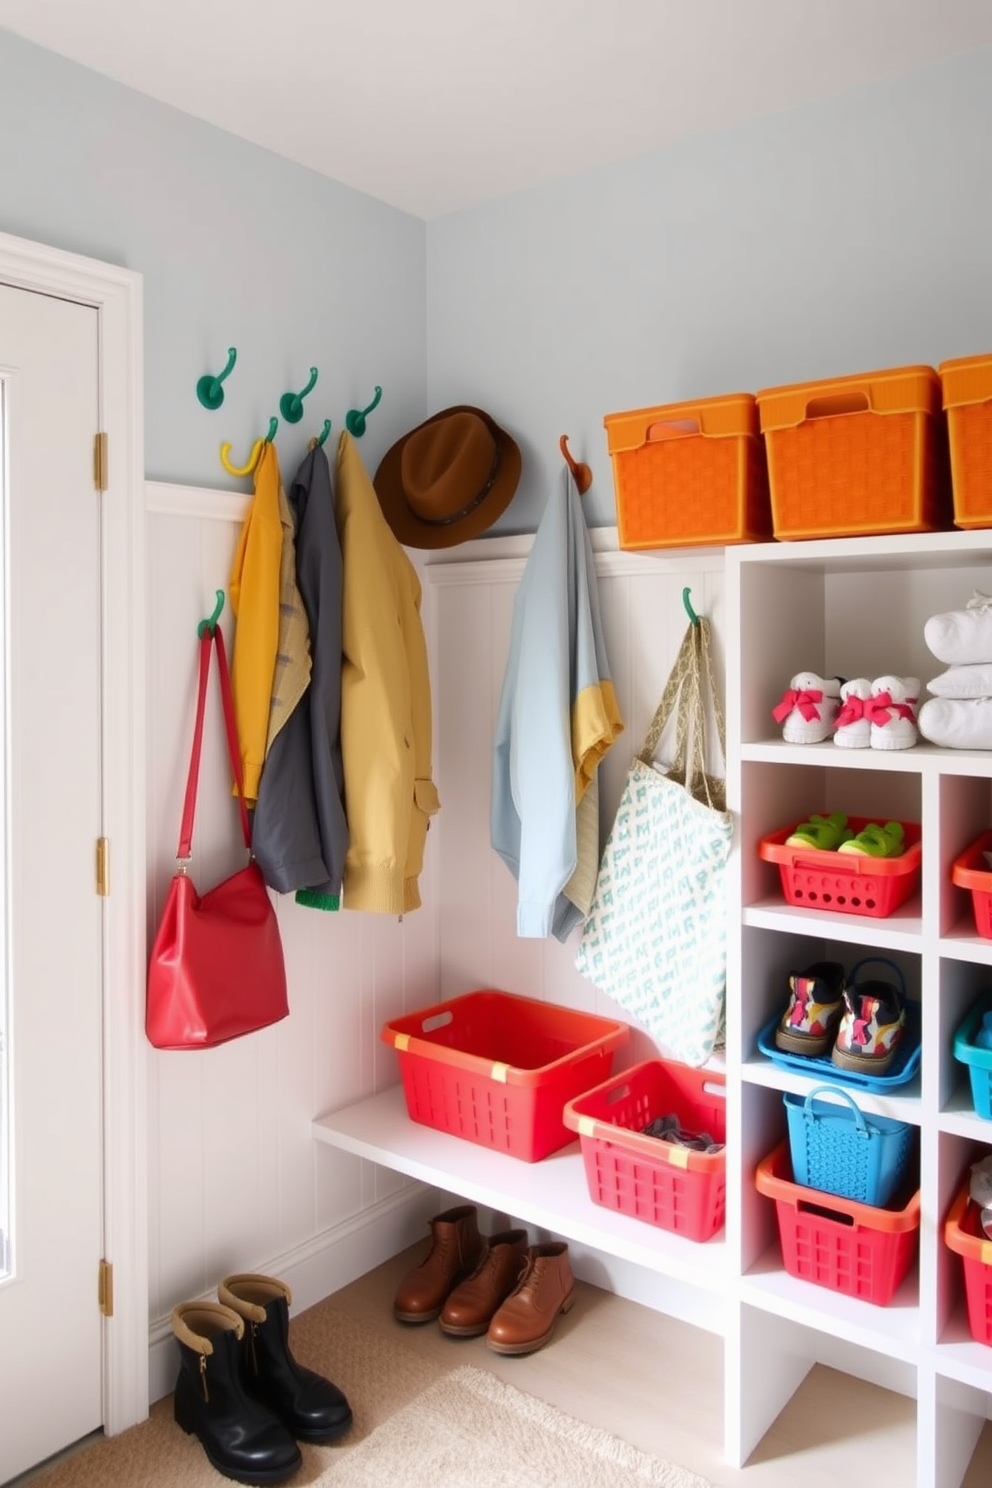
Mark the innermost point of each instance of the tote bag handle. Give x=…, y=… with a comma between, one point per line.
x=685, y=696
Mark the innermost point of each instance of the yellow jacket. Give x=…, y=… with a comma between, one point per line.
x=254, y=592
x=385, y=703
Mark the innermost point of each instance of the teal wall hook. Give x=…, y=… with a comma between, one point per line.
x=355, y=418
x=291, y=404
x=209, y=390
x=210, y=623
x=688, y=606
x=319, y=439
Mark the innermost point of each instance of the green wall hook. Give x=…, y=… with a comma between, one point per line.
x=355, y=420
x=291, y=404
x=211, y=621
x=319, y=439
x=688, y=606
x=209, y=390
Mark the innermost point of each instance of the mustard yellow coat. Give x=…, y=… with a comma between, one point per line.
x=254, y=594
x=389, y=792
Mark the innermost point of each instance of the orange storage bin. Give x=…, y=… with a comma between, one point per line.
x=967, y=387
x=689, y=474
x=850, y=456
x=497, y=1069
x=838, y=1243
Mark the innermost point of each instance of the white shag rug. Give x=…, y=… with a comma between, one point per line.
x=471, y=1428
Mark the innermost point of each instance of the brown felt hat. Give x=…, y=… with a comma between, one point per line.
x=448, y=479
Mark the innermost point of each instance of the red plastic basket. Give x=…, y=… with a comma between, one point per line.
x=839, y=1243
x=970, y=871
x=667, y=1185
x=848, y=882
x=497, y=1069
x=964, y=1235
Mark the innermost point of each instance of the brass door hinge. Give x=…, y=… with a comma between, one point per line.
x=106, y=1288
x=100, y=461
x=102, y=866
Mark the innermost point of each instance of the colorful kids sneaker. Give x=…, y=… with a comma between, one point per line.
x=892, y=710
x=816, y=1006
x=808, y=708
x=876, y=841
x=873, y=1022
x=853, y=729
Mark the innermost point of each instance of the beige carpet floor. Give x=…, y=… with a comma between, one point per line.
x=414, y=1428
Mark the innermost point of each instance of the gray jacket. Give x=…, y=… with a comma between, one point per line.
x=300, y=832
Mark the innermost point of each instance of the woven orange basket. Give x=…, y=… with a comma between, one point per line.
x=967, y=385
x=851, y=456
x=689, y=474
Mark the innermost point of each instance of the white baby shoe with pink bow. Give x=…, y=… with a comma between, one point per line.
x=892, y=710
x=853, y=729
x=808, y=708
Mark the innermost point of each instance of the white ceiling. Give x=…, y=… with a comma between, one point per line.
x=433, y=105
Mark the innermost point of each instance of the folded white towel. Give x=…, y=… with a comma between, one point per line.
x=957, y=723
x=973, y=681
x=962, y=636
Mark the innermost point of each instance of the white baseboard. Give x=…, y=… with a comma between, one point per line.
x=322, y=1266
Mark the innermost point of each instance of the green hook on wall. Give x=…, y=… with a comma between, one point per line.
x=319, y=439
x=291, y=404
x=694, y=618
x=209, y=390
x=355, y=419
x=211, y=621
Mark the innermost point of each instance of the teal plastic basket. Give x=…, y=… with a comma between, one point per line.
x=977, y=1058
x=839, y=1150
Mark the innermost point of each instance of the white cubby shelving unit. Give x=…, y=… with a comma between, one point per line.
x=854, y=607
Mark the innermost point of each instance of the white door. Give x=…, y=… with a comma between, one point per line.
x=51, y=1190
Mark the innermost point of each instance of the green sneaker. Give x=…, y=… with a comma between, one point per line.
x=874, y=841
x=823, y=832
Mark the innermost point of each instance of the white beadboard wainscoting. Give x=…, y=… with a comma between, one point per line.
x=236, y=1180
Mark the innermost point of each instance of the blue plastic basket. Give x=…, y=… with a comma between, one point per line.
x=978, y=1060
x=839, y=1150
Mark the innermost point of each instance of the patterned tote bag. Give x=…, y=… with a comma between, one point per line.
x=655, y=939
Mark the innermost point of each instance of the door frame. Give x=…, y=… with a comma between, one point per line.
x=116, y=295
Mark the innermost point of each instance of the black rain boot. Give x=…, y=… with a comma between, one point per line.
x=242, y=1439
x=311, y=1407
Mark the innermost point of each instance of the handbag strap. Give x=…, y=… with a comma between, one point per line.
x=690, y=679
x=215, y=637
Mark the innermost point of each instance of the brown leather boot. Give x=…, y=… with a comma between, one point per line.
x=527, y=1318
x=469, y=1310
x=456, y=1249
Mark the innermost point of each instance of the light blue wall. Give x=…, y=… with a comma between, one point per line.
x=848, y=234
x=842, y=236
x=237, y=247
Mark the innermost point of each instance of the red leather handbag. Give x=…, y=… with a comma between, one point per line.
x=216, y=970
